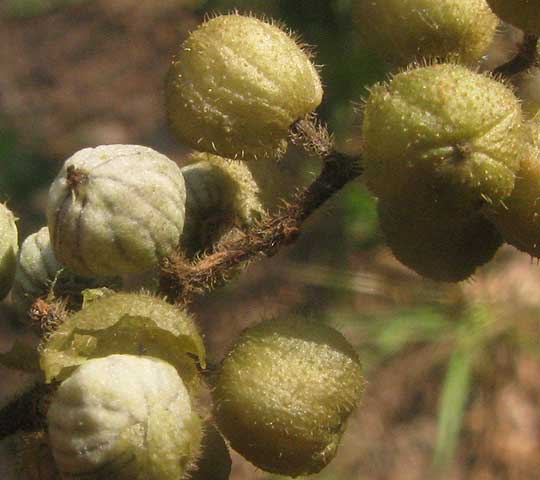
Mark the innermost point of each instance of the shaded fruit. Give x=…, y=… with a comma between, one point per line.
x=524, y=14
x=406, y=30
x=284, y=392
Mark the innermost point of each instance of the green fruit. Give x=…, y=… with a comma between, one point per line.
x=524, y=14
x=237, y=85
x=220, y=194
x=446, y=128
x=432, y=240
x=406, y=30
x=284, y=392
x=215, y=460
x=518, y=219
x=8, y=249
x=130, y=323
x=116, y=209
x=124, y=417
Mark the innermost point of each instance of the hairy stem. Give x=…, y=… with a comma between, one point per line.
x=181, y=280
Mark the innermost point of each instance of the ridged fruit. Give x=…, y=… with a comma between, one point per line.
x=402, y=31
x=284, y=392
x=518, y=219
x=524, y=14
x=115, y=209
x=8, y=249
x=124, y=417
x=220, y=194
x=237, y=85
x=446, y=128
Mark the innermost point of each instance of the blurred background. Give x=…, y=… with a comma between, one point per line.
x=453, y=372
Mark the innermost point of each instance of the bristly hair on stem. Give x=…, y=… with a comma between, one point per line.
x=182, y=280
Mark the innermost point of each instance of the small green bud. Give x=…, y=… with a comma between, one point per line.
x=406, y=30
x=220, y=194
x=518, y=219
x=524, y=14
x=445, y=127
x=284, y=392
x=8, y=249
x=124, y=417
x=433, y=240
x=237, y=85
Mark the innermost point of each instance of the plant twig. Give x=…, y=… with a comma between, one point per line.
x=525, y=58
x=181, y=280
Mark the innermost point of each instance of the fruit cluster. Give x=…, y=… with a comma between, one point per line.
x=129, y=366
x=447, y=150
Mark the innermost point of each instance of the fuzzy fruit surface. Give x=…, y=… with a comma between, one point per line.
x=429, y=238
x=237, y=85
x=518, y=219
x=124, y=417
x=524, y=14
x=284, y=393
x=406, y=30
x=215, y=461
x=445, y=127
x=9, y=246
x=220, y=194
x=128, y=323
x=115, y=209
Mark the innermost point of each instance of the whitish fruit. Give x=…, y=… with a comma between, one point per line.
x=237, y=85
x=220, y=194
x=284, y=392
x=524, y=14
x=124, y=417
x=445, y=127
x=8, y=249
x=405, y=30
x=116, y=209
x=38, y=272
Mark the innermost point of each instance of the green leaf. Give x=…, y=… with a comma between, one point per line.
x=456, y=390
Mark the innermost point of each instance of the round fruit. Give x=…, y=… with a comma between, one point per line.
x=406, y=30
x=237, y=85
x=518, y=219
x=124, y=417
x=284, y=392
x=116, y=209
x=524, y=14
x=433, y=241
x=220, y=194
x=8, y=249
x=445, y=127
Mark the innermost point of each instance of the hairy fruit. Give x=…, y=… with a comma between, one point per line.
x=406, y=30
x=284, y=392
x=9, y=246
x=237, y=85
x=124, y=417
x=116, y=209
